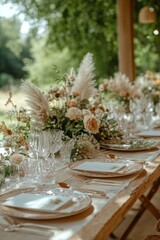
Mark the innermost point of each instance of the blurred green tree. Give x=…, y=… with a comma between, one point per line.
x=13, y=50
x=82, y=26
x=49, y=63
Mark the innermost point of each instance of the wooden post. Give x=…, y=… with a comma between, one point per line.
x=125, y=38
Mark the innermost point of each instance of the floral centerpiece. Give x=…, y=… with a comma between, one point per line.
x=74, y=107
x=150, y=86
x=120, y=89
x=15, y=134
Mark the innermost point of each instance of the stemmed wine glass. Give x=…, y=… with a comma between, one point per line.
x=66, y=149
x=65, y=153
x=34, y=139
x=39, y=146
x=47, y=164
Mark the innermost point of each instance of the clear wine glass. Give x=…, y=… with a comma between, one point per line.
x=40, y=147
x=44, y=151
x=149, y=112
x=157, y=111
x=47, y=165
x=56, y=141
x=34, y=139
x=66, y=149
x=64, y=155
x=127, y=125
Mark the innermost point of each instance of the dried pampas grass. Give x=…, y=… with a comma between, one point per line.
x=84, y=84
x=37, y=102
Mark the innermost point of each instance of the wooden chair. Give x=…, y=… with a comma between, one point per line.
x=145, y=204
x=152, y=237
x=158, y=226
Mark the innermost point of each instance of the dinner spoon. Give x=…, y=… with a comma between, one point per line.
x=111, y=156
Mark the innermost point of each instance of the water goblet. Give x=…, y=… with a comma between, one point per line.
x=34, y=139
x=127, y=124
x=66, y=149
x=44, y=151
x=55, y=141
x=47, y=164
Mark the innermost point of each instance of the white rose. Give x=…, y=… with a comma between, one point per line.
x=74, y=113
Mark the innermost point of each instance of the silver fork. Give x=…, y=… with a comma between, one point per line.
x=10, y=228
x=104, y=182
x=12, y=221
x=78, y=181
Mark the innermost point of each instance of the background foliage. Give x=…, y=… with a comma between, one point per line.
x=63, y=31
x=13, y=49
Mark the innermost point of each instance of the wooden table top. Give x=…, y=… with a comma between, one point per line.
x=114, y=211
x=105, y=214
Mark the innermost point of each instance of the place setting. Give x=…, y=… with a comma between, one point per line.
x=39, y=206
x=130, y=144
x=102, y=168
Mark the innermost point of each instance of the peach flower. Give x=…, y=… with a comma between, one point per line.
x=72, y=103
x=75, y=94
x=91, y=124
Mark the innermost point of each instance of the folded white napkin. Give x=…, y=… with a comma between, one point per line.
x=37, y=202
x=102, y=167
x=149, y=133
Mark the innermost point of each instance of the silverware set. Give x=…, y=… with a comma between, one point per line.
x=11, y=225
x=91, y=192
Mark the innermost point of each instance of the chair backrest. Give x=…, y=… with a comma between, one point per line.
x=152, y=237
x=158, y=226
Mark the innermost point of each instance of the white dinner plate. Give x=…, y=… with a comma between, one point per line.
x=149, y=133
x=80, y=202
x=124, y=168
x=130, y=145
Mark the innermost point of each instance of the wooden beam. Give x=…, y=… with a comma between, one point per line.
x=125, y=30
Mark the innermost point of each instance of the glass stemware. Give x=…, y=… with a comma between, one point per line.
x=127, y=124
x=2, y=172
x=66, y=149
x=44, y=139
x=34, y=139
x=40, y=166
x=55, y=141
x=64, y=155
x=47, y=165
x=149, y=112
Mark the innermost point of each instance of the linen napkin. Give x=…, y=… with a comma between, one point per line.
x=37, y=202
x=101, y=167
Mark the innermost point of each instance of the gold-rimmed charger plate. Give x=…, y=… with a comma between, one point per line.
x=81, y=202
x=130, y=145
x=130, y=168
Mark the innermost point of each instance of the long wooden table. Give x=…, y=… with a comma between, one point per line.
x=100, y=220
x=114, y=211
